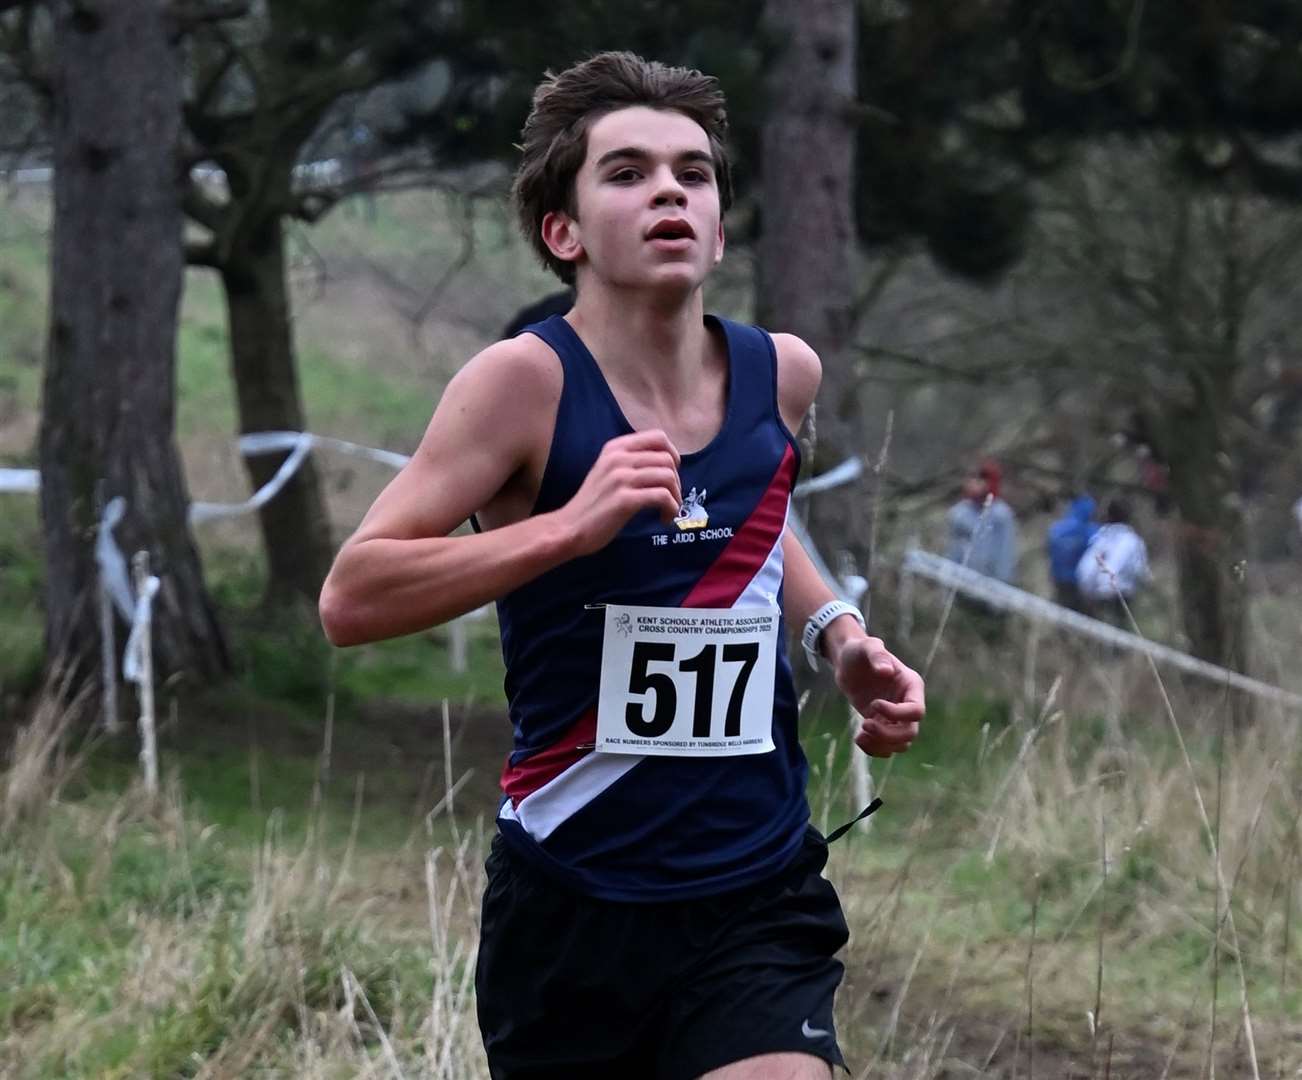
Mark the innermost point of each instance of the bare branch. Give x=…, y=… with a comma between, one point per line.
x=320, y=267
x=19, y=151
x=246, y=58
x=465, y=255
x=202, y=207
x=210, y=82
x=863, y=303
x=1273, y=179
x=187, y=15
x=202, y=253
x=18, y=42
x=311, y=206
x=412, y=173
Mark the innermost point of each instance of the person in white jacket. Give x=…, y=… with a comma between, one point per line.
x=1114, y=567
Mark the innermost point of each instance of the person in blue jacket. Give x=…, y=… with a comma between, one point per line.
x=1068, y=538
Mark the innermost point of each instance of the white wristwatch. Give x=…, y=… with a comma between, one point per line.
x=818, y=622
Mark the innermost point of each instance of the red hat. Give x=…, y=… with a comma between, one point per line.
x=992, y=474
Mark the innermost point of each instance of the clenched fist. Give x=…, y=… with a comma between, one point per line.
x=633, y=472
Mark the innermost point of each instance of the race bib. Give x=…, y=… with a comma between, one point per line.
x=687, y=682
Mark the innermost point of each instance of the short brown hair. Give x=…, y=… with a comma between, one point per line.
x=555, y=137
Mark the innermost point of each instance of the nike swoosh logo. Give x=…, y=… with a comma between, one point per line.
x=813, y=1032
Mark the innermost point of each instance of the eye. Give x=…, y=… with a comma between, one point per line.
x=625, y=175
x=695, y=176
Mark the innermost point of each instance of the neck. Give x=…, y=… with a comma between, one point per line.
x=642, y=340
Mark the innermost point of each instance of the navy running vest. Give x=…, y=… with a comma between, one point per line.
x=628, y=827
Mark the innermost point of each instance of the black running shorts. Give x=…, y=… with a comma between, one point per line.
x=570, y=987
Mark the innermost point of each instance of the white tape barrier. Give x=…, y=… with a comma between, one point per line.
x=206, y=511
x=327, y=173
x=114, y=577
x=268, y=442
x=135, y=608
x=298, y=443
x=952, y=575
x=20, y=481
x=41, y=174
x=133, y=666
x=917, y=562
x=849, y=469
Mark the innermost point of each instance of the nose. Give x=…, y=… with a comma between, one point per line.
x=668, y=191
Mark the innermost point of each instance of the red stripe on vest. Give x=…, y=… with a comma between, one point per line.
x=543, y=767
x=745, y=553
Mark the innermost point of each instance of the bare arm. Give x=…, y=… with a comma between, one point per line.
x=402, y=572
x=804, y=590
x=887, y=694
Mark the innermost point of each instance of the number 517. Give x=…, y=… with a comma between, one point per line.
x=642, y=680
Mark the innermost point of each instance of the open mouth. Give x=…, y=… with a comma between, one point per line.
x=671, y=229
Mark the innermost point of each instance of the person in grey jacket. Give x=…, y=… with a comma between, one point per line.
x=982, y=528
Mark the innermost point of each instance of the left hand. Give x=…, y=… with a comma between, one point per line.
x=888, y=695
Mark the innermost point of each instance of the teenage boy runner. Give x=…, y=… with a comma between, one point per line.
x=654, y=904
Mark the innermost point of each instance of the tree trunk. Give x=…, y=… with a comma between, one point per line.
x=295, y=524
x=1210, y=541
x=806, y=279
x=109, y=395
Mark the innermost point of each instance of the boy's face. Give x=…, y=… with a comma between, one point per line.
x=647, y=201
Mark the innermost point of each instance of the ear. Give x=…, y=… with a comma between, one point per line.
x=560, y=233
x=718, y=243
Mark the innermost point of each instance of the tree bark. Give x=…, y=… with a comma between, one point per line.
x=295, y=524
x=109, y=395
x=806, y=280
x=1210, y=541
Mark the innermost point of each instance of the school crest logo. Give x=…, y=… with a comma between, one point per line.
x=692, y=514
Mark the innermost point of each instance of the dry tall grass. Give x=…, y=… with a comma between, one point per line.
x=1063, y=893
x=284, y=971
x=1113, y=895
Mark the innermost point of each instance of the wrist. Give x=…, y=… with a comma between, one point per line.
x=560, y=540
x=835, y=613
x=837, y=634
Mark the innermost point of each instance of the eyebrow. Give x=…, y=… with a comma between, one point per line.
x=638, y=153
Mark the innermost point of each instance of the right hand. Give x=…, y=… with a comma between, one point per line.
x=633, y=472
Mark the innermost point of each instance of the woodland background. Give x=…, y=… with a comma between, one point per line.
x=1062, y=234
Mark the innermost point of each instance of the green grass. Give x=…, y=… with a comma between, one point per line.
x=205, y=395
x=418, y=670
x=254, y=747
x=428, y=227
x=23, y=290
x=22, y=579
x=72, y=916
x=337, y=391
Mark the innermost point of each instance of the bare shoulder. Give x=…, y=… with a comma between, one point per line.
x=494, y=420
x=799, y=374
x=515, y=369
x=507, y=392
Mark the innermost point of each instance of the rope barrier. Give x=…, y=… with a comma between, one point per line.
x=952, y=575
x=116, y=580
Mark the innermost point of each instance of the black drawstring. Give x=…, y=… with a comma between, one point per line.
x=836, y=834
